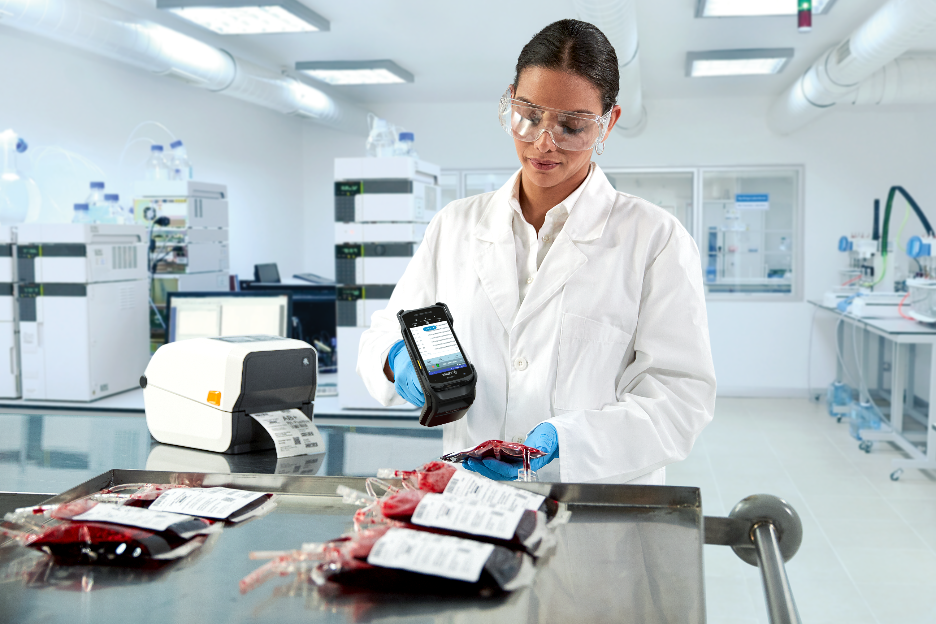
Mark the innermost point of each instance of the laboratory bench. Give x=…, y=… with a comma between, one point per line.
x=883, y=355
x=629, y=553
x=131, y=401
x=49, y=453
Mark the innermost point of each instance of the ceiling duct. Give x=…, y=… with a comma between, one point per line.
x=910, y=79
x=838, y=73
x=617, y=19
x=106, y=30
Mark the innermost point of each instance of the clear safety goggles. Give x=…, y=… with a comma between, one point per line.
x=574, y=132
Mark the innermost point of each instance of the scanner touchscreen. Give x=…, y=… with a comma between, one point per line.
x=438, y=349
x=445, y=374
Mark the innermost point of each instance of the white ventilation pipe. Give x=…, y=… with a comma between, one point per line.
x=617, y=19
x=910, y=79
x=104, y=29
x=887, y=34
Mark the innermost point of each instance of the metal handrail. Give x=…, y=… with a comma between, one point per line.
x=780, y=604
x=764, y=531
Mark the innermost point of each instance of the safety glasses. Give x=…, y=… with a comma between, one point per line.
x=574, y=132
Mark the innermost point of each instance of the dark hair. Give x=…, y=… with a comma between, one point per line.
x=577, y=48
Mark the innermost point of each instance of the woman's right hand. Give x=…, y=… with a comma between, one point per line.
x=404, y=375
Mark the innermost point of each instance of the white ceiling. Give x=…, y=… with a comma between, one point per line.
x=466, y=51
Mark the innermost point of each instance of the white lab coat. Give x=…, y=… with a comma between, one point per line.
x=610, y=345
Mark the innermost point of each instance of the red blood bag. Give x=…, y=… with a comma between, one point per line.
x=496, y=449
x=431, y=477
x=345, y=563
x=98, y=543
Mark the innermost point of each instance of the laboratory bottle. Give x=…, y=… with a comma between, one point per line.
x=404, y=146
x=380, y=141
x=114, y=211
x=838, y=399
x=97, y=194
x=97, y=204
x=156, y=166
x=181, y=167
x=20, y=200
x=81, y=214
x=863, y=416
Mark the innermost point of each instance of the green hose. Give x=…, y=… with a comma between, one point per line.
x=884, y=235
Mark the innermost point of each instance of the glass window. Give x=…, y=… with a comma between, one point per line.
x=449, y=183
x=671, y=190
x=749, y=231
x=481, y=182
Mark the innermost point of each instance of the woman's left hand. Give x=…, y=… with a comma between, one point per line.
x=544, y=437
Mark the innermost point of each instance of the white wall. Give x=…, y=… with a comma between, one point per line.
x=55, y=95
x=321, y=146
x=850, y=158
x=279, y=173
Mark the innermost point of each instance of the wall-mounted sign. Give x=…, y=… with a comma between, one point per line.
x=752, y=201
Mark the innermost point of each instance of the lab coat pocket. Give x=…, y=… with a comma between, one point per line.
x=590, y=355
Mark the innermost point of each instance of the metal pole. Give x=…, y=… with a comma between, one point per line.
x=780, y=604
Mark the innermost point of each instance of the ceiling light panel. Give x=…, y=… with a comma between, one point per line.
x=355, y=72
x=247, y=17
x=354, y=76
x=755, y=8
x=737, y=62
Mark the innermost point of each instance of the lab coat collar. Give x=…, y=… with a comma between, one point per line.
x=588, y=221
x=596, y=196
x=495, y=224
x=562, y=260
x=496, y=262
x=496, y=265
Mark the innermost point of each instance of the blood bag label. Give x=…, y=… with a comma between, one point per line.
x=131, y=516
x=471, y=486
x=428, y=553
x=467, y=516
x=292, y=432
x=217, y=502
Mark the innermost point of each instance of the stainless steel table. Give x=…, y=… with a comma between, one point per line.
x=629, y=554
x=904, y=335
x=49, y=453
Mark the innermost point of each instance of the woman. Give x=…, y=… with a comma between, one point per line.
x=581, y=308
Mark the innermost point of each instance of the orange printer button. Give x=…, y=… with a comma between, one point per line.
x=214, y=397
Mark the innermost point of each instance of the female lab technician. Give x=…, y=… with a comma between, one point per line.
x=581, y=307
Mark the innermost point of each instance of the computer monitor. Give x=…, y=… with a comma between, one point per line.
x=213, y=314
x=267, y=273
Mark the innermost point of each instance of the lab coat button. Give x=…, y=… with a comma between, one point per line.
x=530, y=280
x=546, y=238
x=519, y=439
x=520, y=364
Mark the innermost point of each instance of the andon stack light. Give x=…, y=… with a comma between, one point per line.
x=804, y=15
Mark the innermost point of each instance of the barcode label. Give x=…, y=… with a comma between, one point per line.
x=428, y=553
x=131, y=516
x=288, y=428
x=471, y=486
x=217, y=502
x=467, y=516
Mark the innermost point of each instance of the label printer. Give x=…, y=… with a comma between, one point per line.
x=200, y=393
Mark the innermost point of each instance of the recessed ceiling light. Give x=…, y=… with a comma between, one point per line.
x=355, y=72
x=756, y=8
x=737, y=62
x=247, y=17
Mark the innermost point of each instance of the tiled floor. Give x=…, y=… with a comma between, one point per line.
x=869, y=544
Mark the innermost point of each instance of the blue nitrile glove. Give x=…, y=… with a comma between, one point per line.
x=406, y=382
x=544, y=437
x=846, y=302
